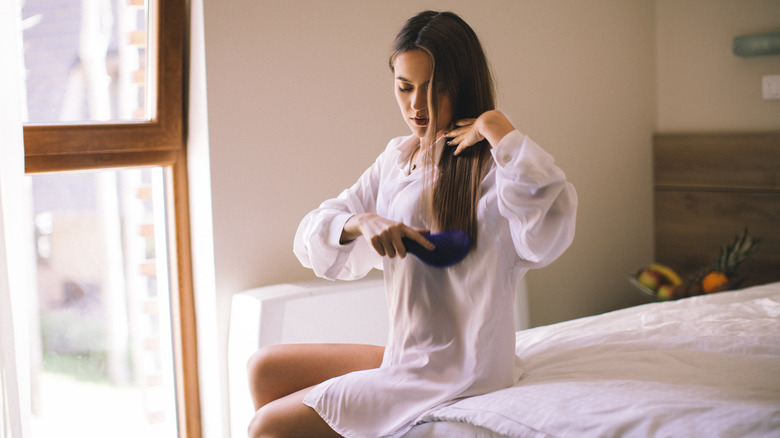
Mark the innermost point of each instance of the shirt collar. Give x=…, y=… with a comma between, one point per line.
x=405, y=150
x=410, y=144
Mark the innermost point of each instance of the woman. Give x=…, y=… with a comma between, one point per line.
x=464, y=167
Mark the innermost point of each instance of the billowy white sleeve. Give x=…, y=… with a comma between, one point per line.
x=317, y=238
x=535, y=197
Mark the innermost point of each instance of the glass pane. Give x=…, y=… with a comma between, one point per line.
x=88, y=60
x=103, y=363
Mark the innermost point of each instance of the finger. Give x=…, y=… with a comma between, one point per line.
x=465, y=144
x=376, y=243
x=457, y=138
x=465, y=122
x=398, y=246
x=417, y=236
x=453, y=133
x=390, y=248
x=462, y=144
x=462, y=128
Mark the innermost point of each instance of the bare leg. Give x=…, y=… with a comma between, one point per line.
x=281, y=375
x=289, y=417
x=280, y=370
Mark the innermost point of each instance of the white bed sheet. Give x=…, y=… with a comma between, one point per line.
x=706, y=366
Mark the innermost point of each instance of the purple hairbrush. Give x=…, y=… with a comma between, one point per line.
x=451, y=248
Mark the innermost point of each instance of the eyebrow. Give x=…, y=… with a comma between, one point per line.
x=403, y=79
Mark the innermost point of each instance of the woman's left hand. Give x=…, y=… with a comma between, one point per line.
x=491, y=125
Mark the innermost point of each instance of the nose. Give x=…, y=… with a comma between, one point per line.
x=420, y=100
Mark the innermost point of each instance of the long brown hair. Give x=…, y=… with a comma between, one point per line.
x=460, y=70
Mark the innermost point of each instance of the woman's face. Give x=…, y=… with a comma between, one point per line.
x=413, y=71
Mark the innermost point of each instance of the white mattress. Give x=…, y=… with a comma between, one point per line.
x=706, y=366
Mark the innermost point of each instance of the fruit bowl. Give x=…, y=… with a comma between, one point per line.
x=642, y=288
x=662, y=282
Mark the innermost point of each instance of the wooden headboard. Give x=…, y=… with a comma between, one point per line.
x=708, y=188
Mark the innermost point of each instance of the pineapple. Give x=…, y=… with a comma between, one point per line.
x=722, y=275
x=732, y=256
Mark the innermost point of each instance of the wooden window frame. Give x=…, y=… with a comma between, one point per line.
x=159, y=142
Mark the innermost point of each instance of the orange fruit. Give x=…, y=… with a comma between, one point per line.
x=714, y=282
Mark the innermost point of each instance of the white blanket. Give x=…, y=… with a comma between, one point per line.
x=705, y=366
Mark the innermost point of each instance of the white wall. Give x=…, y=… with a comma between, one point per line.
x=702, y=85
x=300, y=103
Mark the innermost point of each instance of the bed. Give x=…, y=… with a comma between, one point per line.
x=704, y=366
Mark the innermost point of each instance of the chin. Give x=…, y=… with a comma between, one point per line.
x=419, y=131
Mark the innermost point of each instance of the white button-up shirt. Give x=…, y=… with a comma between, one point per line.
x=451, y=329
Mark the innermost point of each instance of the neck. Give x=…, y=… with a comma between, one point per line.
x=433, y=148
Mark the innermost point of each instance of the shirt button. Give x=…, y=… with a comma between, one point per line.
x=506, y=158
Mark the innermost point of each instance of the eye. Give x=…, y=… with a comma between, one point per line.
x=404, y=89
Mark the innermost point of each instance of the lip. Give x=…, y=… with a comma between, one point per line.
x=420, y=121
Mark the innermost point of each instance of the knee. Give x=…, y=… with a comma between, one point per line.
x=256, y=427
x=265, y=362
x=259, y=363
x=264, y=423
x=253, y=430
x=263, y=375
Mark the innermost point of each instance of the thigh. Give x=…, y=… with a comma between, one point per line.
x=288, y=416
x=279, y=370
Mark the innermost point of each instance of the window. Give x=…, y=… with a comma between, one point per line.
x=105, y=157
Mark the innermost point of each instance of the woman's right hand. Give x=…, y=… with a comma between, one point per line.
x=384, y=235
